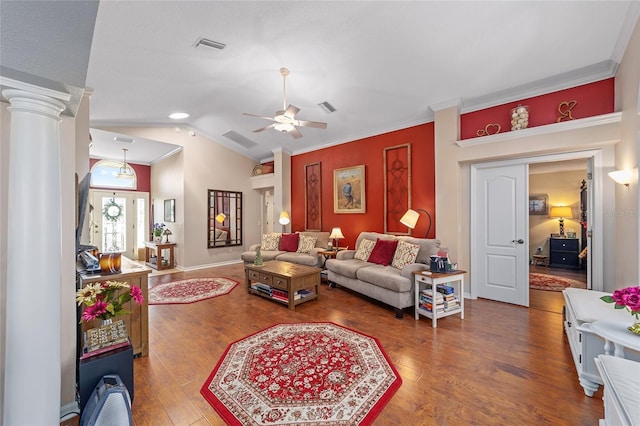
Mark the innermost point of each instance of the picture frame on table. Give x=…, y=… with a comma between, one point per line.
x=349, y=190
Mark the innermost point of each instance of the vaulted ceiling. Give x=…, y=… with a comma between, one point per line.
x=383, y=65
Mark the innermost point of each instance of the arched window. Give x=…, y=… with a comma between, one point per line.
x=106, y=174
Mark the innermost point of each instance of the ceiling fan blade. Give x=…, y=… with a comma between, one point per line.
x=291, y=111
x=258, y=116
x=315, y=124
x=270, y=126
x=295, y=133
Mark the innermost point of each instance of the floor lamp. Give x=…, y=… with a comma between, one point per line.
x=284, y=220
x=410, y=219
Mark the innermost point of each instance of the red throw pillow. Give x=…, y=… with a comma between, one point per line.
x=383, y=252
x=289, y=242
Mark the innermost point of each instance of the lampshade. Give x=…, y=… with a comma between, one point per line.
x=336, y=234
x=560, y=211
x=284, y=218
x=125, y=171
x=623, y=177
x=410, y=218
x=221, y=217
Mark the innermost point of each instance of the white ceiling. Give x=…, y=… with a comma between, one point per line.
x=383, y=65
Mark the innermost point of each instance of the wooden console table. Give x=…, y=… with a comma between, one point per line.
x=138, y=321
x=158, y=249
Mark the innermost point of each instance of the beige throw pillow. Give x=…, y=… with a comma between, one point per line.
x=306, y=244
x=270, y=242
x=365, y=249
x=405, y=254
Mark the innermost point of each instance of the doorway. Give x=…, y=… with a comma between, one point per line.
x=481, y=234
x=118, y=221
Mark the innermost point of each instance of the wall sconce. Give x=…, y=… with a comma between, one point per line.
x=624, y=177
x=220, y=218
x=336, y=234
x=284, y=220
x=410, y=219
x=562, y=213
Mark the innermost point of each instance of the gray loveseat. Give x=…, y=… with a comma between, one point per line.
x=392, y=286
x=309, y=259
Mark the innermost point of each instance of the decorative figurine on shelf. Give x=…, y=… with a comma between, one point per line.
x=166, y=233
x=258, y=259
x=520, y=117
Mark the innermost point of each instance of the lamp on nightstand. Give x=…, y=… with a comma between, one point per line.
x=562, y=213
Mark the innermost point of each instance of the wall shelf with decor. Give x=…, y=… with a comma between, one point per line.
x=563, y=126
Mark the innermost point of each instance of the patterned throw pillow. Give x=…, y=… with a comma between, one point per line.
x=270, y=242
x=306, y=244
x=364, y=251
x=383, y=251
x=405, y=254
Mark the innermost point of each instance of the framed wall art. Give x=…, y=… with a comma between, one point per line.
x=349, y=190
x=170, y=210
x=313, y=197
x=397, y=187
x=539, y=204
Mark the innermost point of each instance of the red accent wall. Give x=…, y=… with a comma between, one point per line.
x=368, y=151
x=143, y=174
x=592, y=99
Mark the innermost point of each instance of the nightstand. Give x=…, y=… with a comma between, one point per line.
x=563, y=252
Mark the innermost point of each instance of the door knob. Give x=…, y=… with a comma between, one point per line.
x=520, y=241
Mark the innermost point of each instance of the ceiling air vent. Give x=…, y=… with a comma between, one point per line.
x=122, y=139
x=209, y=43
x=239, y=139
x=327, y=106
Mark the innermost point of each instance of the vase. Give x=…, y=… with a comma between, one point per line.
x=635, y=328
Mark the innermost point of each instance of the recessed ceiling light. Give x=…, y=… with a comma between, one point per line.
x=178, y=115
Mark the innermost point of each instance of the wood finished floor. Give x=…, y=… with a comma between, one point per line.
x=501, y=365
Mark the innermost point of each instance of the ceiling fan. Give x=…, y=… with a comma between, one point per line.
x=285, y=120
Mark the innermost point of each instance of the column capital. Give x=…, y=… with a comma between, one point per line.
x=26, y=101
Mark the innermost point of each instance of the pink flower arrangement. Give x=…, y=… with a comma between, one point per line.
x=106, y=299
x=626, y=298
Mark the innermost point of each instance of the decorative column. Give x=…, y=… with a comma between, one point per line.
x=33, y=315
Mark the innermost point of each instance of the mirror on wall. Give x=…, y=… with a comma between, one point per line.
x=170, y=210
x=224, y=218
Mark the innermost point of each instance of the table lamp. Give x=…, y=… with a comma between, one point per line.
x=336, y=234
x=562, y=213
x=284, y=220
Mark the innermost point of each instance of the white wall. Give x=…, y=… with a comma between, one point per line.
x=626, y=214
x=5, y=121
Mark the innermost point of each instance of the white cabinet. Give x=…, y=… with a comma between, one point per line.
x=582, y=308
x=621, y=378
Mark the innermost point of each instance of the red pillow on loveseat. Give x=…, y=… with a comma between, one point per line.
x=289, y=242
x=383, y=252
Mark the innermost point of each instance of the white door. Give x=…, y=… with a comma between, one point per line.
x=118, y=221
x=499, y=215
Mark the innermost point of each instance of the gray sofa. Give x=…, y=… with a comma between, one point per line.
x=309, y=259
x=392, y=286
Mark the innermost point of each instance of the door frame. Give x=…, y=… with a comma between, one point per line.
x=596, y=244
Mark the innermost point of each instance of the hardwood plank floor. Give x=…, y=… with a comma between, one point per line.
x=501, y=365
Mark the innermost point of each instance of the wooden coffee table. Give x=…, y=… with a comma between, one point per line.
x=284, y=282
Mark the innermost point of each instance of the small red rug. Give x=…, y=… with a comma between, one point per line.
x=552, y=283
x=189, y=291
x=302, y=374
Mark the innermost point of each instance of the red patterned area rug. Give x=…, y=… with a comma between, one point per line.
x=189, y=291
x=302, y=374
x=552, y=283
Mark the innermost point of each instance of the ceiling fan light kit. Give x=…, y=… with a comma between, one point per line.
x=285, y=120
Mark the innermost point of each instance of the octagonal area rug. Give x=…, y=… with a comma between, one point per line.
x=189, y=291
x=302, y=374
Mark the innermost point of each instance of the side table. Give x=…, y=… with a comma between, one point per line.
x=328, y=254
x=616, y=337
x=422, y=279
x=150, y=246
